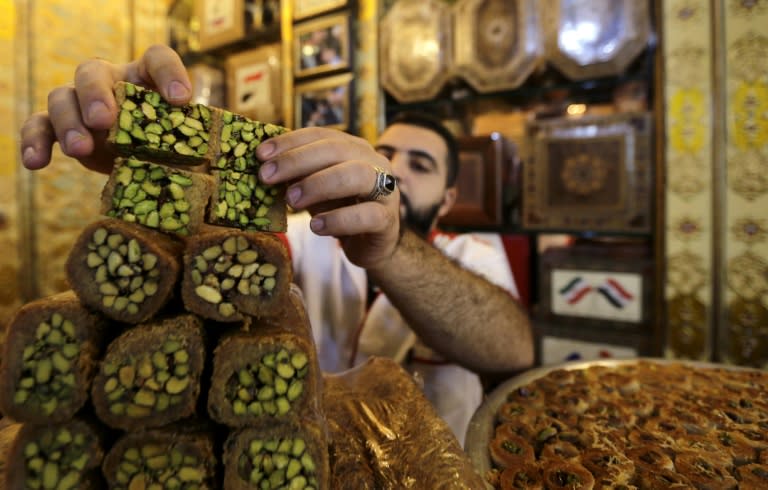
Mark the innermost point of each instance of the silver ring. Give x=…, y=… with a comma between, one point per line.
x=385, y=185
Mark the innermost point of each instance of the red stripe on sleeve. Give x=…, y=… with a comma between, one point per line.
x=284, y=238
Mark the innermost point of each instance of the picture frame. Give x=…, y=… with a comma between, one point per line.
x=322, y=45
x=254, y=81
x=221, y=22
x=325, y=102
x=303, y=9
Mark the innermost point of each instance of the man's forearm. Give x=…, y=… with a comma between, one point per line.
x=457, y=313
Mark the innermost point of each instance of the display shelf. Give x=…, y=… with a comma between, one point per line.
x=216, y=56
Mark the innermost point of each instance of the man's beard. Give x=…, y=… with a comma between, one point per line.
x=418, y=221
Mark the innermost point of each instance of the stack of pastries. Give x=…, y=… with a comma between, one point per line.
x=182, y=357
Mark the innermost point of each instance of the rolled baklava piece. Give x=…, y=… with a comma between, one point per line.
x=123, y=270
x=161, y=458
x=229, y=274
x=277, y=456
x=150, y=375
x=63, y=456
x=51, y=353
x=149, y=127
x=264, y=374
x=163, y=198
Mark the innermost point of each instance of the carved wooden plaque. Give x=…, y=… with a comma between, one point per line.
x=415, y=49
x=497, y=43
x=595, y=38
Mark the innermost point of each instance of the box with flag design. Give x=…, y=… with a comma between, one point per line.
x=598, y=282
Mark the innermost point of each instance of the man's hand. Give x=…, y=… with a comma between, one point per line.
x=331, y=174
x=80, y=115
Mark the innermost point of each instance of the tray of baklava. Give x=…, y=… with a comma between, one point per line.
x=625, y=424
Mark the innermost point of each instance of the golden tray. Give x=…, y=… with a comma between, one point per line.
x=480, y=429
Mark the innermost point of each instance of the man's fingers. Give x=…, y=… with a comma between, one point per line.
x=351, y=179
x=94, y=81
x=161, y=68
x=301, y=155
x=64, y=113
x=37, y=140
x=364, y=218
x=279, y=145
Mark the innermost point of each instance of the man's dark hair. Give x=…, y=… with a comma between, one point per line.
x=434, y=124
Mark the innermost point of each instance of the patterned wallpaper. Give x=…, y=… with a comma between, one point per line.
x=687, y=38
x=744, y=333
x=65, y=196
x=726, y=215
x=9, y=237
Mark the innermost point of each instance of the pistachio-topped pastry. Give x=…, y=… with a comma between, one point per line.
x=52, y=350
x=150, y=375
x=163, y=198
x=125, y=271
x=266, y=373
x=171, y=457
x=241, y=200
x=277, y=456
x=239, y=137
x=229, y=274
x=148, y=126
x=63, y=456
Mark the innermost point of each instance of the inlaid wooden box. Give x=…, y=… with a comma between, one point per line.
x=591, y=173
x=488, y=183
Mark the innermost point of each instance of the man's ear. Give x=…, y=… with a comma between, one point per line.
x=449, y=199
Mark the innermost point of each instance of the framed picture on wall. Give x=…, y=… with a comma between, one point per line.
x=254, y=81
x=309, y=8
x=324, y=102
x=221, y=22
x=321, y=45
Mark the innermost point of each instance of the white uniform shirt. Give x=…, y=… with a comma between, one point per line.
x=346, y=333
